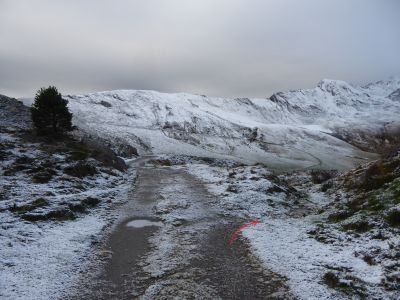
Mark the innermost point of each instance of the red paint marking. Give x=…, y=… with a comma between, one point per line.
x=237, y=231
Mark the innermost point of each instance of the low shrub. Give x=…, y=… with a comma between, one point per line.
x=393, y=217
x=60, y=214
x=40, y=202
x=80, y=170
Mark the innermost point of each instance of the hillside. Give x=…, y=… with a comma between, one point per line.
x=55, y=197
x=314, y=128
x=199, y=168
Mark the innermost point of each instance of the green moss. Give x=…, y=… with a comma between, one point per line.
x=339, y=216
x=39, y=202
x=395, y=189
x=78, y=155
x=358, y=226
x=375, y=203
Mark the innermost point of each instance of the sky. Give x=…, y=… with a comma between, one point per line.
x=227, y=48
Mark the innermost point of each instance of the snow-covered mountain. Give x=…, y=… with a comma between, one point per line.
x=292, y=129
x=335, y=103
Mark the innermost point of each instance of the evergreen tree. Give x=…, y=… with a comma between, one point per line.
x=50, y=114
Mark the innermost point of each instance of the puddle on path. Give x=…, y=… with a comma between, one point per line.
x=143, y=223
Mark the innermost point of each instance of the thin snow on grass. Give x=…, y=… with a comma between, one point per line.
x=284, y=246
x=281, y=241
x=40, y=261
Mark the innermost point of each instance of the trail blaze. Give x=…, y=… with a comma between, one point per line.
x=237, y=231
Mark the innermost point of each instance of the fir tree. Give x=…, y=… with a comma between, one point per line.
x=50, y=114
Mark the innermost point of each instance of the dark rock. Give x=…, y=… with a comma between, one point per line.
x=33, y=217
x=326, y=186
x=379, y=236
x=14, y=169
x=90, y=201
x=369, y=260
x=24, y=160
x=395, y=96
x=105, y=104
x=232, y=189
x=77, y=207
x=331, y=279
x=3, y=155
x=61, y=214
x=42, y=177
x=232, y=174
x=276, y=189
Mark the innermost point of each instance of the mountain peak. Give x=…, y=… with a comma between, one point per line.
x=328, y=84
x=336, y=87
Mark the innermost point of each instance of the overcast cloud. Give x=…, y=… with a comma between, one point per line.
x=215, y=47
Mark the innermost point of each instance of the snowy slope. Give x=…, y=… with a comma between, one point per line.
x=296, y=239
x=289, y=130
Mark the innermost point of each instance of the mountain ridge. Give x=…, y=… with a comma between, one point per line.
x=294, y=129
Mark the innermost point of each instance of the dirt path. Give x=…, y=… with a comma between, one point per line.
x=185, y=256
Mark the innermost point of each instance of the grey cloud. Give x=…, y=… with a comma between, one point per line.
x=221, y=48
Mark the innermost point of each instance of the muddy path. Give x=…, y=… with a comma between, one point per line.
x=176, y=248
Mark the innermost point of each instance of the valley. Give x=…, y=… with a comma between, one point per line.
x=141, y=200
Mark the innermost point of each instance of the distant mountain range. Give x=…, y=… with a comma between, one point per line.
x=307, y=128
